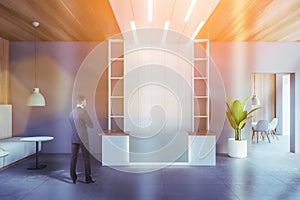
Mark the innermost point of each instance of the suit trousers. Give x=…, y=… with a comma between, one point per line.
x=86, y=158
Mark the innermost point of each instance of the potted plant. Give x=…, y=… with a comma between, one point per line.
x=238, y=117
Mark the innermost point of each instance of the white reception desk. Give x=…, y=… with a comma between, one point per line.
x=122, y=149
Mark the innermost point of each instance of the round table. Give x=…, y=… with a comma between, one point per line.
x=37, y=139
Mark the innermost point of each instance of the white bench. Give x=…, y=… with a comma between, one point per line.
x=17, y=150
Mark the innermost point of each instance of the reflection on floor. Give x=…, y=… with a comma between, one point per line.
x=281, y=145
x=263, y=175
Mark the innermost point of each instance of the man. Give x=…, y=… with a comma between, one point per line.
x=80, y=120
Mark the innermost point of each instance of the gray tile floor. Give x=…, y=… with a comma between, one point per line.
x=281, y=145
x=262, y=175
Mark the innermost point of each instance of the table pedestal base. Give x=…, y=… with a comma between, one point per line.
x=37, y=167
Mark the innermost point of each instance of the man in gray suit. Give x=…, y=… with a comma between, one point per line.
x=80, y=121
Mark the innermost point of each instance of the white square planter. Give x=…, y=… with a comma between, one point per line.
x=237, y=148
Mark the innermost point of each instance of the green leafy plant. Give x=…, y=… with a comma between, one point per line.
x=238, y=115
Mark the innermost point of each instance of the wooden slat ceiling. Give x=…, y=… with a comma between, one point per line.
x=60, y=20
x=253, y=20
x=94, y=20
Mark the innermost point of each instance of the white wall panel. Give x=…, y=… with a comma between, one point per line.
x=5, y=121
x=158, y=89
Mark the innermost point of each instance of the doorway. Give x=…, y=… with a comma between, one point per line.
x=274, y=92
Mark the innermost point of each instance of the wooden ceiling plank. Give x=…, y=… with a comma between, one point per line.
x=253, y=20
x=60, y=20
x=95, y=20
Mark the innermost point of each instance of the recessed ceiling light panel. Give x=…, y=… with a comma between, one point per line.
x=150, y=10
x=190, y=10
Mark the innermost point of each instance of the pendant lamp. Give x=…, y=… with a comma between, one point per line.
x=36, y=98
x=255, y=99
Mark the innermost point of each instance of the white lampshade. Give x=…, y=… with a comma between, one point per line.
x=255, y=100
x=36, y=98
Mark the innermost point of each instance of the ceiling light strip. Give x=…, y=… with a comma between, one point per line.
x=133, y=28
x=150, y=10
x=167, y=24
x=166, y=27
x=190, y=10
x=132, y=24
x=197, y=29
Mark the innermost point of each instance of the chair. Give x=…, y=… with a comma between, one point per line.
x=272, y=127
x=261, y=127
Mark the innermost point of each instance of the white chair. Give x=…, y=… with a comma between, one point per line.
x=261, y=127
x=272, y=127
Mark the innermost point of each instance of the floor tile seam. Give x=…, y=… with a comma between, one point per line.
x=280, y=180
x=294, y=187
x=34, y=188
x=133, y=184
x=211, y=171
x=271, y=194
x=190, y=184
x=275, y=184
x=281, y=154
x=227, y=185
x=219, y=177
x=267, y=172
x=233, y=192
x=239, y=184
x=268, y=185
x=163, y=184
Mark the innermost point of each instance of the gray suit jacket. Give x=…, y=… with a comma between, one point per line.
x=80, y=120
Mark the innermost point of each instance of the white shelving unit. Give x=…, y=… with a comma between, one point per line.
x=201, y=86
x=115, y=84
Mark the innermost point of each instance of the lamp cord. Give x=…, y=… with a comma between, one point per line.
x=35, y=85
x=2, y=67
x=254, y=84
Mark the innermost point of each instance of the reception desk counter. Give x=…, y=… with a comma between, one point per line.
x=184, y=148
x=115, y=148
